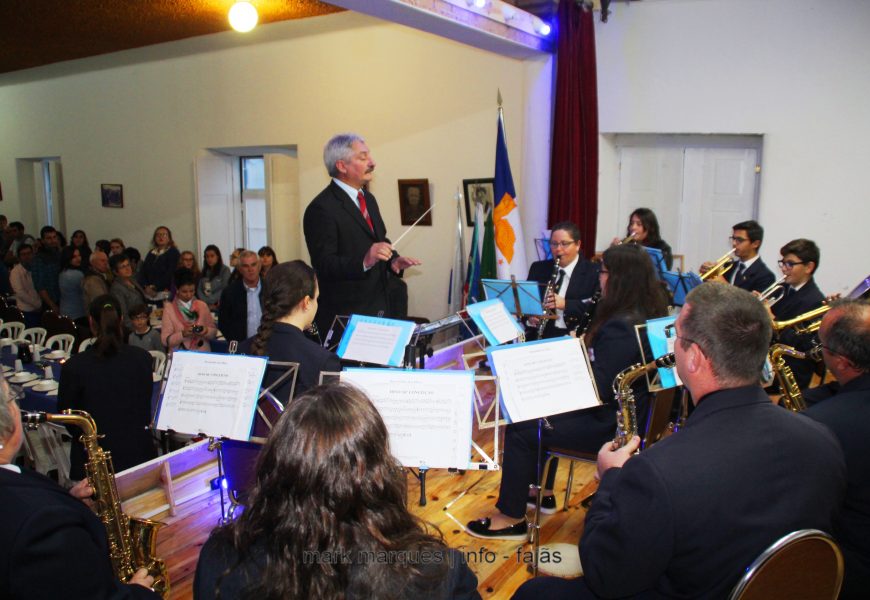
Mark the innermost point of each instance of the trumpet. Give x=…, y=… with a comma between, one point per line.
x=722, y=266
x=626, y=239
x=814, y=316
x=774, y=293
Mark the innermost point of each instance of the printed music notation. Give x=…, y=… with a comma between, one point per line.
x=375, y=340
x=427, y=413
x=215, y=394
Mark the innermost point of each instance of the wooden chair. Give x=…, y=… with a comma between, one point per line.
x=804, y=565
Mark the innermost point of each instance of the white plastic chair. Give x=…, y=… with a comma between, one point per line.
x=61, y=341
x=86, y=343
x=11, y=330
x=34, y=335
x=159, y=361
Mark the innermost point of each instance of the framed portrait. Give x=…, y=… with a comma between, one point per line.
x=477, y=190
x=112, y=195
x=414, y=201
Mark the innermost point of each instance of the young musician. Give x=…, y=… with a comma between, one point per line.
x=749, y=272
x=630, y=294
x=577, y=281
x=643, y=227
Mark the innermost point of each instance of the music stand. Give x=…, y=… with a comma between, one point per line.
x=336, y=330
x=520, y=297
x=680, y=284
x=658, y=260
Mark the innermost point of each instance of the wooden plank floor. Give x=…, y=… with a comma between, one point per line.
x=500, y=565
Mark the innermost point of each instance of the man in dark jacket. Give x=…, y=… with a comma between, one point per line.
x=240, y=309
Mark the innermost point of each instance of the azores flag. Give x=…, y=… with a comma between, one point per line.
x=510, y=249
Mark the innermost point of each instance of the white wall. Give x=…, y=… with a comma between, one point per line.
x=795, y=71
x=426, y=105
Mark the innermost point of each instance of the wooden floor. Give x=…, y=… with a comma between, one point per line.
x=500, y=565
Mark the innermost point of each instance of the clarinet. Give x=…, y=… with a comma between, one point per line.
x=549, y=290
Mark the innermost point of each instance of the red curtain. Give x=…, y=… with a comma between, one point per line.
x=574, y=161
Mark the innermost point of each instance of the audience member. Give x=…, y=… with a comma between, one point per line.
x=46, y=268
x=97, y=278
x=187, y=261
x=142, y=334
x=79, y=240
x=125, y=288
x=19, y=238
x=116, y=246
x=215, y=277
x=103, y=246
x=21, y=280
x=240, y=308
x=187, y=322
x=70, y=283
x=268, y=259
x=160, y=263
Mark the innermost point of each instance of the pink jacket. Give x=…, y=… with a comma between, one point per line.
x=173, y=323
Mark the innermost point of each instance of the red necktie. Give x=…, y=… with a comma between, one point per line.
x=365, y=211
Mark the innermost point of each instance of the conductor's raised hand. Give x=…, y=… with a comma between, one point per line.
x=608, y=457
x=378, y=251
x=400, y=263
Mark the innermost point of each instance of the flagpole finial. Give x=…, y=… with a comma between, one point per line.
x=499, y=98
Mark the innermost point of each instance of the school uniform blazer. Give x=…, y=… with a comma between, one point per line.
x=756, y=278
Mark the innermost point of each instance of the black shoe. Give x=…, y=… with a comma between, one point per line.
x=481, y=529
x=548, y=504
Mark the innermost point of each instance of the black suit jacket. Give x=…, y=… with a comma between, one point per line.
x=684, y=518
x=52, y=546
x=288, y=343
x=847, y=414
x=756, y=278
x=801, y=301
x=582, y=286
x=338, y=238
x=233, y=311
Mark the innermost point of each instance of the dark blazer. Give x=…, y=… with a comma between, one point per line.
x=116, y=391
x=233, y=311
x=338, y=238
x=52, y=545
x=756, y=278
x=801, y=301
x=217, y=556
x=288, y=343
x=582, y=286
x=684, y=518
x=847, y=414
x=159, y=270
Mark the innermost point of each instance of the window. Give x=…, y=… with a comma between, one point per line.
x=254, y=202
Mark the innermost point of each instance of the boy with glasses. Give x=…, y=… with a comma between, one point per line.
x=749, y=271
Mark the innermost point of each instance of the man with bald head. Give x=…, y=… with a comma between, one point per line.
x=845, y=408
x=97, y=279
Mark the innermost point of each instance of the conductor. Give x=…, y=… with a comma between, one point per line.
x=347, y=238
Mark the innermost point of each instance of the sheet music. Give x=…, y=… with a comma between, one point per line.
x=543, y=378
x=214, y=394
x=427, y=413
x=375, y=340
x=494, y=321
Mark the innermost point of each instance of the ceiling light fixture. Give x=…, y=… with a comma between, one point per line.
x=243, y=16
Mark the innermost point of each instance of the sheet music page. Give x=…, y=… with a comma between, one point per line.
x=214, y=394
x=375, y=340
x=543, y=378
x=494, y=321
x=428, y=413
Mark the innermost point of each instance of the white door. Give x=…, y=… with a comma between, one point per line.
x=219, y=212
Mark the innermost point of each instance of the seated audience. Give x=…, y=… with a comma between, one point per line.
x=643, y=227
x=51, y=544
x=142, y=335
x=125, y=288
x=215, y=277
x=267, y=260
x=70, y=282
x=845, y=408
x=630, y=294
x=156, y=272
x=112, y=381
x=187, y=322
x=327, y=486
x=97, y=278
x=21, y=280
x=240, y=306
x=688, y=515
x=289, y=305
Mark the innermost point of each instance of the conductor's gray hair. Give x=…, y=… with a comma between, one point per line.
x=338, y=148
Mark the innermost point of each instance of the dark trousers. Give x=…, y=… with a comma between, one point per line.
x=554, y=588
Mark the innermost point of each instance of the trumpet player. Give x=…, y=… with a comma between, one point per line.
x=576, y=281
x=845, y=408
x=643, y=229
x=749, y=273
x=799, y=262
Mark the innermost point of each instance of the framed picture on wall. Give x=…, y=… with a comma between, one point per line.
x=112, y=195
x=477, y=191
x=414, y=201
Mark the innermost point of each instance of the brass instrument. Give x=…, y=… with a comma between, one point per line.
x=548, y=315
x=774, y=293
x=626, y=415
x=132, y=541
x=814, y=316
x=722, y=266
x=792, y=398
x=626, y=239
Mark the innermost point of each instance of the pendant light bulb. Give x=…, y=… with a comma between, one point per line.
x=243, y=16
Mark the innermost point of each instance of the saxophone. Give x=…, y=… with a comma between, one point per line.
x=549, y=290
x=132, y=541
x=792, y=398
x=626, y=414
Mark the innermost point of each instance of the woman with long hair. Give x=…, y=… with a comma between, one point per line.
x=79, y=240
x=268, y=259
x=70, y=282
x=187, y=322
x=630, y=294
x=215, y=277
x=125, y=288
x=643, y=227
x=156, y=272
x=111, y=381
x=187, y=260
x=289, y=304
x=327, y=507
